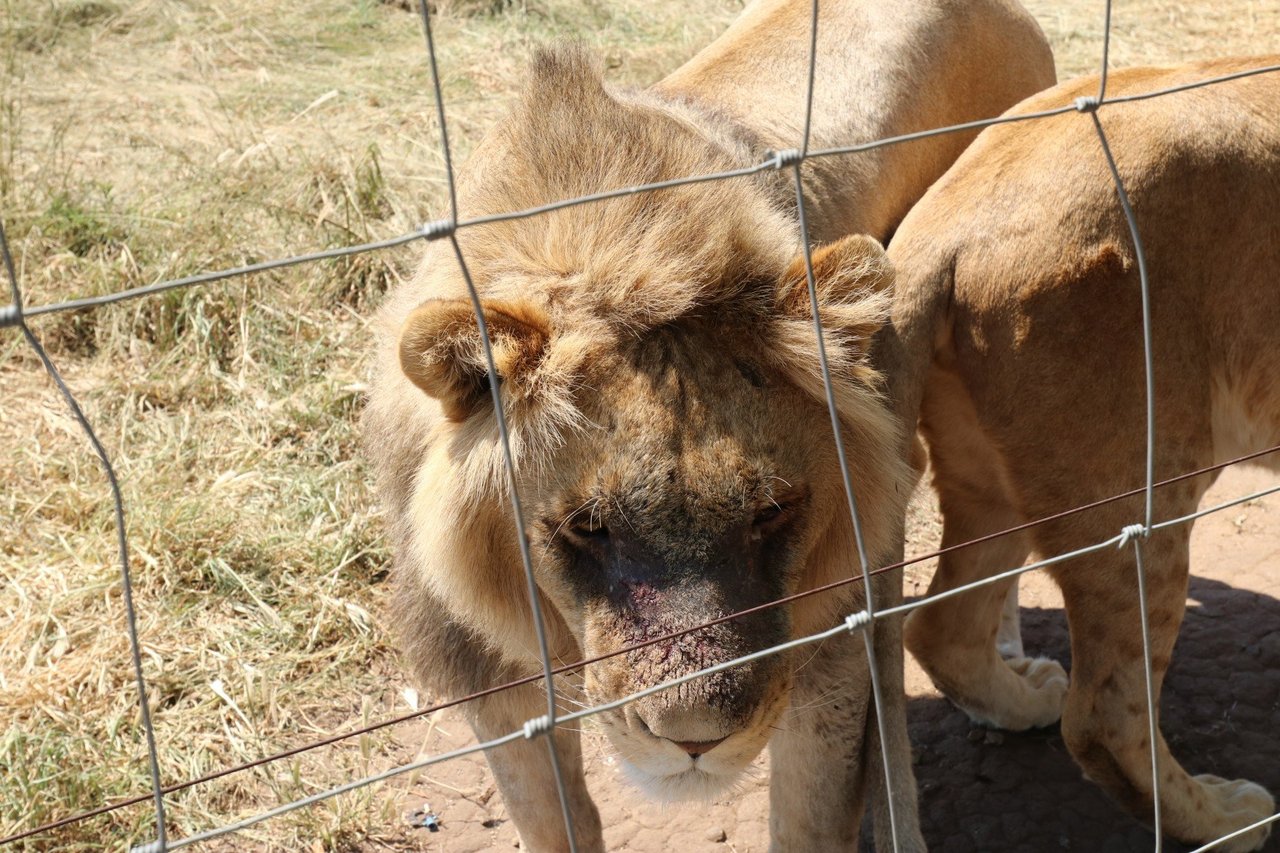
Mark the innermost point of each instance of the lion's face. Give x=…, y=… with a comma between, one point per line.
x=694, y=491
x=670, y=476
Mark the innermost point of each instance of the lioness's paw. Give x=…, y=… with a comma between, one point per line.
x=1017, y=694
x=1046, y=691
x=1238, y=803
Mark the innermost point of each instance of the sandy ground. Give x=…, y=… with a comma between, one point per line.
x=980, y=790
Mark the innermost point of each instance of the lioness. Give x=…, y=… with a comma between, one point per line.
x=1017, y=337
x=671, y=438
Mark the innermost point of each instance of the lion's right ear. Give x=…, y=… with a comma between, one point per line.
x=442, y=353
x=852, y=277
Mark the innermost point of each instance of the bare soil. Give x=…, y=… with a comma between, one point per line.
x=981, y=790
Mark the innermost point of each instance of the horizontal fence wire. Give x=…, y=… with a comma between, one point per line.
x=1244, y=830
x=15, y=314
x=577, y=665
x=438, y=229
x=854, y=622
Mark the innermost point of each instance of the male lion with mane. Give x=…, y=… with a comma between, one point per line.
x=1017, y=340
x=671, y=440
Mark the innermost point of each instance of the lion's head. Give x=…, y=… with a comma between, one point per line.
x=672, y=444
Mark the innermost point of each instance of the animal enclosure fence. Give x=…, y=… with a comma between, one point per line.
x=17, y=315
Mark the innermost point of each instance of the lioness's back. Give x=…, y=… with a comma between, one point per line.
x=1027, y=234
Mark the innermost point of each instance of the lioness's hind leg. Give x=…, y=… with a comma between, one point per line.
x=1009, y=635
x=1105, y=722
x=955, y=639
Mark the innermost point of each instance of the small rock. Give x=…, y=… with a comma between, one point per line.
x=716, y=835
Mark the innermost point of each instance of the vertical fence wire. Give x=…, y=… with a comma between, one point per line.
x=846, y=478
x=813, y=66
x=1106, y=51
x=122, y=539
x=867, y=627
x=1148, y=491
x=544, y=728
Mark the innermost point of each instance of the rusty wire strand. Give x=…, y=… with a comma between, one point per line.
x=855, y=621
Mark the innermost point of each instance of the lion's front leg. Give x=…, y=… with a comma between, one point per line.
x=826, y=754
x=525, y=776
x=451, y=661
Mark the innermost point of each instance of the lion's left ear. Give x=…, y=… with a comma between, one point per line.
x=851, y=276
x=441, y=350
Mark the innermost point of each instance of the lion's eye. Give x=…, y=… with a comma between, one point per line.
x=596, y=534
x=766, y=515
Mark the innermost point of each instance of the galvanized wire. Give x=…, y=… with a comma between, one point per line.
x=504, y=436
x=1148, y=363
x=122, y=539
x=442, y=228
x=828, y=387
x=1244, y=830
x=517, y=511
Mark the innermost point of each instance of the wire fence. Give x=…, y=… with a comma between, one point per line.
x=17, y=314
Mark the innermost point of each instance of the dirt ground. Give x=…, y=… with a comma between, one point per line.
x=980, y=790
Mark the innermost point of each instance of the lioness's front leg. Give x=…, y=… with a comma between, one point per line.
x=958, y=640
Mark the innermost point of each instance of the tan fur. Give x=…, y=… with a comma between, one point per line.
x=660, y=378
x=1017, y=341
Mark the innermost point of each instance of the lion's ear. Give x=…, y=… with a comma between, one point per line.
x=852, y=277
x=441, y=351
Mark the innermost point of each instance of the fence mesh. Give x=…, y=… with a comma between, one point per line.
x=17, y=314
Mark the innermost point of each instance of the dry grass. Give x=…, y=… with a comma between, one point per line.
x=149, y=139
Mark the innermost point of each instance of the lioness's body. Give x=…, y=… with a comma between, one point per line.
x=659, y=374
x=1018, y=318
x=883, y=69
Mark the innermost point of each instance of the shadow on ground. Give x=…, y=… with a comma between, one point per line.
x=983, y=790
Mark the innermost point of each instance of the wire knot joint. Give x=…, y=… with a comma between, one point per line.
x=438, y=228
x=537, y=726
x=1132, y=531
x=10, y=315
x=857, y=621
x=1087, y=104
x=784, y=158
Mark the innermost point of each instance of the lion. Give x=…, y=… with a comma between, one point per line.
x=1016, y=340
x=672, y=445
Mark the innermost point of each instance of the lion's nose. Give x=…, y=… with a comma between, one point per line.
x=698, y=747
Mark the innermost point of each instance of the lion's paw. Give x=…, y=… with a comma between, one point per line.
x=1031, y=698
x=1234, y=804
